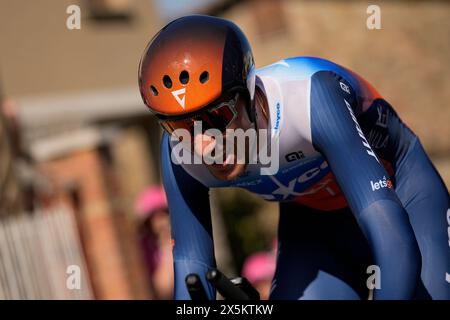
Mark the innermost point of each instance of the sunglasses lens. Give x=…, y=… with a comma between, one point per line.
x=167, y=127
x=171, y=126
x=221, y=117
x=215, y=117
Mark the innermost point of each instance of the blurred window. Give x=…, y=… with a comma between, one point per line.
x=111, y=11
x=269, y=16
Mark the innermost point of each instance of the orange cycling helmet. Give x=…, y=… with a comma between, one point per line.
x=193, y=62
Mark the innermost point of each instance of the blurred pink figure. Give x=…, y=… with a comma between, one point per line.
x=259, y=269
x=150, y=200
x=151, y=208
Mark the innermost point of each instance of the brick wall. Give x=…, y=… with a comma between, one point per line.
x=84, y=174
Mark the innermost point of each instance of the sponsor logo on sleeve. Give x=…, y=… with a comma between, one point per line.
x=364, y=141
x=447, y=275
x=293, y=156
x=381, y=184
x=278, y=118
x=344, y=87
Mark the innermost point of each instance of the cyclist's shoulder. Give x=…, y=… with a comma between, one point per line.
x=301, y=66
x=319, y=69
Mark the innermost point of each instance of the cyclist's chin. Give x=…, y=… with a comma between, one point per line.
x=228, y=172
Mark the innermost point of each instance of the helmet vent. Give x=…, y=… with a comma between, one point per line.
x=167, y=81
x=184, y=77
x=204, y=77
x=154, y=91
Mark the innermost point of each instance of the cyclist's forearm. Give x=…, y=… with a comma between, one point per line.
x=190, y=217
x=394, y=247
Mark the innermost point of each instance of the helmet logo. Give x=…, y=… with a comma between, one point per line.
x=177, y=93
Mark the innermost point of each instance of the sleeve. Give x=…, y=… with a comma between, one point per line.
x=190, y=218
x=365, y=184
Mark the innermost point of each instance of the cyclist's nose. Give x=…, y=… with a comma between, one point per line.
x=203, y=144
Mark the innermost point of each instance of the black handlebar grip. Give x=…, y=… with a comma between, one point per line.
x=224, y=286
x=243, y=284
x=195, y=287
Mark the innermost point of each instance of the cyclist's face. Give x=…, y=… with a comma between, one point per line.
x=230, y=169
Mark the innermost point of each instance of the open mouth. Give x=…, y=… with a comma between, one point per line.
x=228, y=163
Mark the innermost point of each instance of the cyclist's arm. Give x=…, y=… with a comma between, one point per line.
x=190, y=217
x=379, y=212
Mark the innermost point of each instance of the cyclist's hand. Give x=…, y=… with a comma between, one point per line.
x=235, y=289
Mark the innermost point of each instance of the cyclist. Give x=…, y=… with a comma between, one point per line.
x=354, y=184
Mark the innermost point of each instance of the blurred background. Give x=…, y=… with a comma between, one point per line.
x=80, y=152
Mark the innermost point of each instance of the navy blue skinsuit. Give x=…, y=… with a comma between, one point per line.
x=355, y=189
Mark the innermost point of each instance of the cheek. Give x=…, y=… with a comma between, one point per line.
x=242, y=121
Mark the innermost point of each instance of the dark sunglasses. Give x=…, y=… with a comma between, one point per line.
x=218, y=115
